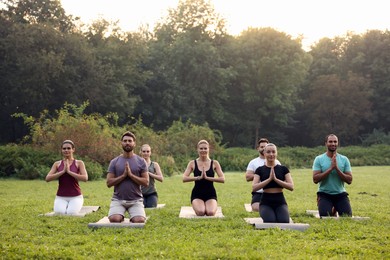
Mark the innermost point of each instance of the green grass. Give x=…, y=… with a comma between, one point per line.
x=25, y=235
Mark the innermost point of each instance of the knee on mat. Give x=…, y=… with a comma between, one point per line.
x=200, y=212
x=138, y=220
x=115, y=218
x=210, y=213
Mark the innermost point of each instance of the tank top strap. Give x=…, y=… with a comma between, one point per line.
x=151, y=167
x=196, y=165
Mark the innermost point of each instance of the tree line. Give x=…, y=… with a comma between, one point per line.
x=188, y=68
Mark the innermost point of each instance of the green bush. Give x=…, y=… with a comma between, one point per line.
x=236, y=159
x=26, y=162
x=93, y=135
x=97, y=137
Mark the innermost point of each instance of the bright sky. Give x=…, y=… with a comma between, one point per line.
x=314, y=19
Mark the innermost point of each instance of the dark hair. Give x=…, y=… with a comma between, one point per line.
x=326, y=137
x=68, y=142
x=128, y=133
x=262, y=140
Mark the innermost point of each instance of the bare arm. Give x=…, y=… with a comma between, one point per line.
x=82, y=176
x=257, y=184
x=287, y=184
x=158, y=175
x=141, y=180
x=111, y=180
x=218, y=170
x=249, y=175
x=187, y=172
x=54, y=174
x=319, y=176
x=345, y=176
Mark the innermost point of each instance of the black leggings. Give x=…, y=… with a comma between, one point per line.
x=340, y=202
x=274, y=209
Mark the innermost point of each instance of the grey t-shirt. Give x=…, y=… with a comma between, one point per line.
x=127, y=189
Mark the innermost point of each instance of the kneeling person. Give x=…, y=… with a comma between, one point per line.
x=127, y=173
x=273, y=178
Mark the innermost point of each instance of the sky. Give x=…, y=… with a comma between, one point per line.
x=312, y=19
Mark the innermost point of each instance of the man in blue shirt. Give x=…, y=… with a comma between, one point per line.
x=331, y=170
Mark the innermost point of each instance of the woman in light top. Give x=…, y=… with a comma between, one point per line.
x=68, y=172
x=273, y=178
x=204, y=196
x=150, y=192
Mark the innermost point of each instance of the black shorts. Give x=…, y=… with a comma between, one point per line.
x=256, y=197
x=203, y=195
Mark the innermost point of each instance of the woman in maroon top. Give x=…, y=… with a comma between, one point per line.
x=69, y=172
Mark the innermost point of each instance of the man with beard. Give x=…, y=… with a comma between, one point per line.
x=127, y=173
x=251, y=169
x=331, y=170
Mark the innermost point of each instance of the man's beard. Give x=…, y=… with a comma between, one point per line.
x=332, y=150
x=127, y=148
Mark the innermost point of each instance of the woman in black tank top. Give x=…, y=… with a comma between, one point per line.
x=204, y=196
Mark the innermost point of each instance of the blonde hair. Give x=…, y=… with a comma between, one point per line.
x=203, y=142
x=145, y=145
x=271, y=144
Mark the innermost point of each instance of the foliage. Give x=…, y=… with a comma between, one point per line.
x=339, y=106
x=269, y=68
x=27, y=163
x=97, y=136
x=38, y=12
x=165, y=235
x=260, y=83
x=182, y=139
x=237, y=159
x=93, y=135
x=378, y=136
x=185, y=59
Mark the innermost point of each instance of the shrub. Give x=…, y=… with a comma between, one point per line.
x=376, y=137
x=235, y=159
x=26, y=162
x=93, y=135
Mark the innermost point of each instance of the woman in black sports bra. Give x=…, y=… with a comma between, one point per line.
x=204, y=196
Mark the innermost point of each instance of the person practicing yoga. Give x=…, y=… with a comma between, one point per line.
x=273, y=178
x=331, y=171
x=127, y=173
x=68, y=172
x=204, y=195
x=250, y=172
x=150, y=192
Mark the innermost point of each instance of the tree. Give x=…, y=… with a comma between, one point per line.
x=120, y=57
x=186, y=65
x=338, y=105
x=269, y=67
x=369, y=56
x=38, y=12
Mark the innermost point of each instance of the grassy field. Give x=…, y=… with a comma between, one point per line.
x=26, y=235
